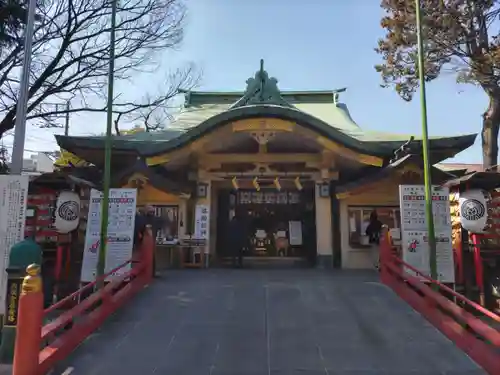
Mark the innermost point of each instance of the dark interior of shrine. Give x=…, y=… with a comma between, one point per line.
x=277, y=223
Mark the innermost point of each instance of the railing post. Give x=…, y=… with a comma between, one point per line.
x=29, y=329
x=147, y=254
x=385, y=254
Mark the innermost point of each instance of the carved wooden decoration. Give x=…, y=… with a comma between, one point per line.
x=263, y=137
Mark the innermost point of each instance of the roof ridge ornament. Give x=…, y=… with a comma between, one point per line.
x=335, y=98
x=261, y=89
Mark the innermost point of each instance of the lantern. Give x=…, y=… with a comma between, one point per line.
x=277, y=183
x=255, y=183
x=67, y=212
x=234, y=181
x=298, y=184
x=473, y=210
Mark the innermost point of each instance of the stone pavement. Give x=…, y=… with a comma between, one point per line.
x=268, y=322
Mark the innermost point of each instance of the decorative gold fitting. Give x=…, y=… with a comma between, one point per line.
x=32, y=282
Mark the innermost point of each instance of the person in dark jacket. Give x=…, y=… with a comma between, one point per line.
x=237, y=239
x=373, y=231
x=374, y=228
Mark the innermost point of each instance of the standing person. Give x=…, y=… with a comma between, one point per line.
x=373, y=232
x=156, y=222
x=237, y=239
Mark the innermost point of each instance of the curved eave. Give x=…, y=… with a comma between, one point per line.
x=369, y=179
x=170, y=184
x=284, y=113
x=475, y=180
x=70, y=143
x=449, y=145
x=446, y=147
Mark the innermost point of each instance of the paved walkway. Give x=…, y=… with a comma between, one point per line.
x=268, y=322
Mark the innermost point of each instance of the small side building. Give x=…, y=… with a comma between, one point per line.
x=293, y=164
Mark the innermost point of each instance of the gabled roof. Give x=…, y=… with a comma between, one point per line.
x=200, y=106
x=171, y=183
x=460, y=168
x=382, y=173
x=476, y=180
x=319, y=110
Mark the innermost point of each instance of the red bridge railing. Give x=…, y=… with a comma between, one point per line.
x=39, y=347
x=458, y=318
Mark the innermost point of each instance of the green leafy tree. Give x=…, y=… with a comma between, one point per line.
x=460, y=37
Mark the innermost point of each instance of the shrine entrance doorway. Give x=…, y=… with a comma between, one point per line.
x=279, y=224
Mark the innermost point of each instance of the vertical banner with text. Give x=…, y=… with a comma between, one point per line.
x=121, y=221
x=13, y=199
x=414, y=234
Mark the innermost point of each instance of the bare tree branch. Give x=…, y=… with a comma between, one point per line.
x=71, y=57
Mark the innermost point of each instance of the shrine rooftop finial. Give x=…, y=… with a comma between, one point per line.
x=261, y=89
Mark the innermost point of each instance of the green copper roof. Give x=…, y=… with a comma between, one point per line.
x=336, y=115
x=319, y=110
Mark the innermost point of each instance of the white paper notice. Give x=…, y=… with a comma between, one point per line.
x=202, y=221
x=295, y=231
x=414, y=233
x=352, y=224
x=395, y=233
x=121, y=220
x=13, y=199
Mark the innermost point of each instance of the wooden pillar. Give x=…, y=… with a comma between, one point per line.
x=323, y=209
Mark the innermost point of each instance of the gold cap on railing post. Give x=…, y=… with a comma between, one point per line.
x=29, y=327
x=32, y=282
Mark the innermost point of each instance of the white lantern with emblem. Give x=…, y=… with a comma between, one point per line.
x=473, y=210
x=67, y=212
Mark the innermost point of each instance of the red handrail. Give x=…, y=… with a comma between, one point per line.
x=475, y=337
x=458, y=296
x=68, y=316
x=75, y=294
x=44, y=345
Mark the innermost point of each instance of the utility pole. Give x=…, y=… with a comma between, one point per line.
x=425, y=147
x=66, y=122
x=22, y=102
x=101, y=262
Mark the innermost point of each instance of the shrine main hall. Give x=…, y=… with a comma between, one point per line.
x=293, y=165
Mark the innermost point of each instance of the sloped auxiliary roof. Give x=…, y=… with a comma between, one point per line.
x=318, y=110
x=381, y=173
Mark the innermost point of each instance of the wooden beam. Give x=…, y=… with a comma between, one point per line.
x=266, y=125
x=263, y=124
x=261, y=158
x=332, y=175
x=339, y=149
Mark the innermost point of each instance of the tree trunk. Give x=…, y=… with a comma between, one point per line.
x=491, y=126
x=7, y=123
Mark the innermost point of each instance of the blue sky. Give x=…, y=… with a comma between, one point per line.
x=318, y=44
